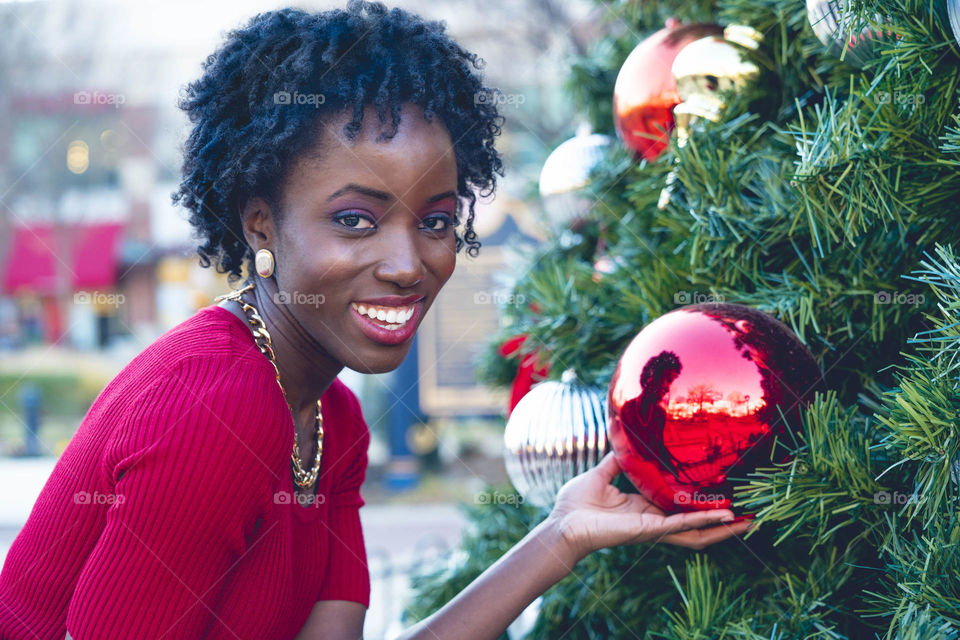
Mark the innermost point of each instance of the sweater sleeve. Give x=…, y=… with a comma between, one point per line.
x=192, y=468
x=347, y=576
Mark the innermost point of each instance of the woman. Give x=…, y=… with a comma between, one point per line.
x=331, y=155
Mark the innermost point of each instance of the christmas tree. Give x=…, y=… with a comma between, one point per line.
x=827, y=195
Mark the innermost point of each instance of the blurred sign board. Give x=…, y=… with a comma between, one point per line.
x=463, y=318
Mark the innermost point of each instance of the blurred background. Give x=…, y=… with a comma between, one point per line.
x=97, y=262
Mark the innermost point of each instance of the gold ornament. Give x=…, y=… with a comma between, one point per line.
x=708, y=68
x=704, y=71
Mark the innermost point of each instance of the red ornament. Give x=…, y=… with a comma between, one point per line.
x=645, y=92
x=697, y=398
x=528, y=373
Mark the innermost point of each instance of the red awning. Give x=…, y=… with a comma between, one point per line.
x=84, y=255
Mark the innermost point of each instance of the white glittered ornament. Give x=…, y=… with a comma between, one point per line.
x=565, y=175
x=953, y=12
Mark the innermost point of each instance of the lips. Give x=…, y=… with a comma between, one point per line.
x=391, y=301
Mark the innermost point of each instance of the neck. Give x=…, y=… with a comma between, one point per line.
x=306, y=368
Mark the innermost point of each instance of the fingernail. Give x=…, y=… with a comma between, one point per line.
x=729, y=518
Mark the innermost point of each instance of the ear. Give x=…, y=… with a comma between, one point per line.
x=259, y=224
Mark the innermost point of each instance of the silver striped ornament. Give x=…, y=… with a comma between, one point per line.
x=557, y=431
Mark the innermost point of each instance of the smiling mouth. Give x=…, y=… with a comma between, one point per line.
x=391, y=318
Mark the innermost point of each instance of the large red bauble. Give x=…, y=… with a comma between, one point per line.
x=698, y=398
x=645, y=92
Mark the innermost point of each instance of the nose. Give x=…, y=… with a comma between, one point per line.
x=401, y=263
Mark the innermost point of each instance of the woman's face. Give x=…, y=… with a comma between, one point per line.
x=366, y=229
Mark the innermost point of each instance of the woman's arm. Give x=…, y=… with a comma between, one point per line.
x=589, y=514
x=483, y=610
x=334, y=620
x=495, y=599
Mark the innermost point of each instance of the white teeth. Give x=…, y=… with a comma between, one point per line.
x=393, y=316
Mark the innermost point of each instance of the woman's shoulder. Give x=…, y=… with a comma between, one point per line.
x=200, y=352
x=211, y=333
x=196, y=392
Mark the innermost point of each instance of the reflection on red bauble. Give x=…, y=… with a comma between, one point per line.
x=645, y=92
x=698, y=398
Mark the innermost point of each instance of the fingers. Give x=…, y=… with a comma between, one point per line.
x=701, y=538
x=608, y=467
x=696, y=520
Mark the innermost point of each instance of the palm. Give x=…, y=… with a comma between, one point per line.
x=595, y=514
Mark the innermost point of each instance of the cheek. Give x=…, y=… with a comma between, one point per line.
x=442, y=259
x=318, y=262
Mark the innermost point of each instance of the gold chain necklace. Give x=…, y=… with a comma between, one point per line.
x=303, y=479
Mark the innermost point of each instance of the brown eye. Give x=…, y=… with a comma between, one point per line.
x=437, y=223
x=354, y=220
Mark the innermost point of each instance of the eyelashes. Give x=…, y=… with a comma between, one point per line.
x=351, y=219
x=446, y=219
x=362, y=222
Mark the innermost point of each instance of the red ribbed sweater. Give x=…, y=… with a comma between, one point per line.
x=169, y=514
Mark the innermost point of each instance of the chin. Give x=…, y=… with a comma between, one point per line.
x=388, y=359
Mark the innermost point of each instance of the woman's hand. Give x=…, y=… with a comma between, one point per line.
x=591, y=514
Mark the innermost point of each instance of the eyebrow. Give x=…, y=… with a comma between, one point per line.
x=382, y=195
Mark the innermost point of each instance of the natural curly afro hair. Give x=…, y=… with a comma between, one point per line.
x=247, y=131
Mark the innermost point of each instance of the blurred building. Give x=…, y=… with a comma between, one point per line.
x=93, y=254
x=94, y=257
x=88, y=257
